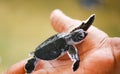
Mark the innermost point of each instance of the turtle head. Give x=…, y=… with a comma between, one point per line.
x=76, y=36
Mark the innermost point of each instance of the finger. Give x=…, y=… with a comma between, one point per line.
x=61, y=22
x=16, y=68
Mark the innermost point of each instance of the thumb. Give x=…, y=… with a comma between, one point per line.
x=61, y=22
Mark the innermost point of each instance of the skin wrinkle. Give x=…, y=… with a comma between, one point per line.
x=116, y=64
x=59, y=65
x=52, y=65
x=109, y=56
x=42, y=71
x=112, y=49
x=55, y=67
x=43, y=68
x=116, y=46
x=103, y=41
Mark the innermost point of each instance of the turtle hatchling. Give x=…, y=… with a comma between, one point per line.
x=60, y=43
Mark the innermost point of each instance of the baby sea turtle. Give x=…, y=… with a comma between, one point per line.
x=60, y=43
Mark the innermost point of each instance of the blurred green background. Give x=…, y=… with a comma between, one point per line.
x=24, y=24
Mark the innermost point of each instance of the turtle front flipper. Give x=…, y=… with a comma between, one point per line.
x=73, y=54
x=86, y=24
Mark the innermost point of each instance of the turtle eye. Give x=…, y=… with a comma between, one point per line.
x=78, y=36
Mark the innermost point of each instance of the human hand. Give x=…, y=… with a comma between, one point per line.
x=99, y=54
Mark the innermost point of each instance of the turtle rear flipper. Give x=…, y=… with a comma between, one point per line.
x=30, y=65
x=76, y=65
